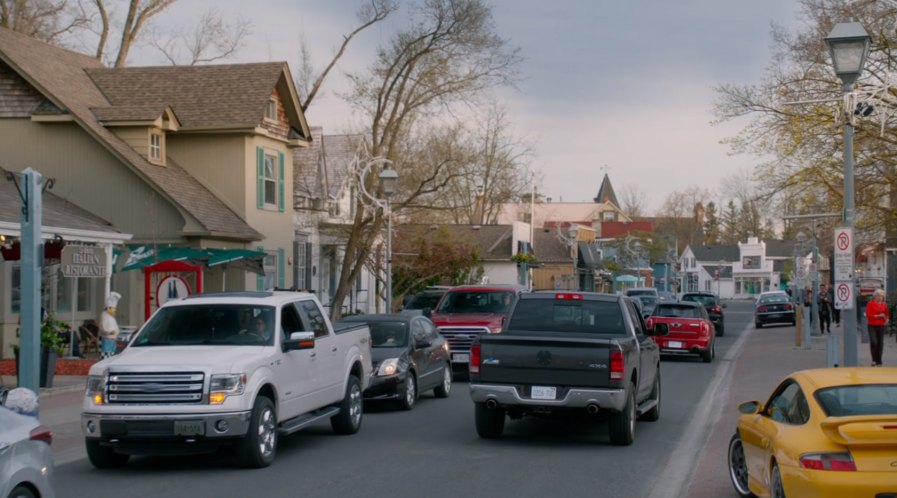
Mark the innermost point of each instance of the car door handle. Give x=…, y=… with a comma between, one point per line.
x=333, y=348
x=313, y=354
x=4, y=447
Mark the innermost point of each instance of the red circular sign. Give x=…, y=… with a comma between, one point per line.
x=843, y=241
x=843, y=292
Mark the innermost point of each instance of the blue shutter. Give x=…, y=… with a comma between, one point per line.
x=281, y=268
x=260, y=182
x=280, y=185
x=260, y=279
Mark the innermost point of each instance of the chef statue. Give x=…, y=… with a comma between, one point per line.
x=109, y=326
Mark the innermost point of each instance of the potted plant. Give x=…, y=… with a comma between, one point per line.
x=52, y=345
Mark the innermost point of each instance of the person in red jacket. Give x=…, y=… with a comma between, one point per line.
x=877, y=316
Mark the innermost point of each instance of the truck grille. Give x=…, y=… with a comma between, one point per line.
x=155, y=387
x=460, y=338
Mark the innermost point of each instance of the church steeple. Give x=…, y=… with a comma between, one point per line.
x=606, y=192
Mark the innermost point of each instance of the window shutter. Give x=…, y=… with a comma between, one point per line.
x=280, y=185
x=260, y=181
x=281, y=268
x=260, y=279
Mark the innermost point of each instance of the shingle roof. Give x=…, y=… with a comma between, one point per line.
x=606, y=192
x=146, y=112
x=549, y=248
x=335, y=152
x=61, y=76
x=493, y=242
x=713, y=254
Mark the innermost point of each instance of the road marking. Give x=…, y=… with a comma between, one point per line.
x=673, y=482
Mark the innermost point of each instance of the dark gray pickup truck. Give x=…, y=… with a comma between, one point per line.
x=562, y=352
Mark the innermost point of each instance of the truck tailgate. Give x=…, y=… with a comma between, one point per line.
x=541, y=360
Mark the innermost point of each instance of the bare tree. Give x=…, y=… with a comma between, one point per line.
x=448, y=56
x=212, y=38
x=681, y=217
x=46, y=20
x=139, y=12
x=633, y=202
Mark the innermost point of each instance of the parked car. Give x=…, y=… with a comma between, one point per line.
x=826, y=432
x=690, y=330
x=773, y=307
x=714, y=308
x=409, y=356
x=425, y=300
x=641, y=291
x=26, y=462
x=568, y=353
x=666, y=296
x=466, y=312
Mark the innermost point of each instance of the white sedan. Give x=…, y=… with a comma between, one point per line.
x=26, y=462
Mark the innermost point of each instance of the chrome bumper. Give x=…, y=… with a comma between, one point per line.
x=607, y=399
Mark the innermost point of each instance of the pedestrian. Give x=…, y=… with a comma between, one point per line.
x=878, y=317
x=109, y=326
x=836, y=313
x=825, y=311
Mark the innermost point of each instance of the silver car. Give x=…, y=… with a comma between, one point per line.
x=26, y=462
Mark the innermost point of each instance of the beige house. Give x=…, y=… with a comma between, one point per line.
x=194, y=156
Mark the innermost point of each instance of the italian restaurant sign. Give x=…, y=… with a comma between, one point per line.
x=83, y=261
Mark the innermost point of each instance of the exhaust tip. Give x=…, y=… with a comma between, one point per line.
x=593, y=409
x=491, y=404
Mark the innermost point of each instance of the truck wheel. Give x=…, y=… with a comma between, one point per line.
x=490, y=421
x=708, y=355
x=259, y=447
x=104, y=457
x=653, y=415
x=621, y=427
x=348, y=420
x=408, y=395
x=443, y=389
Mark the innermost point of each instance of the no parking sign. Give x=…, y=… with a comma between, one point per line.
x=844, y=295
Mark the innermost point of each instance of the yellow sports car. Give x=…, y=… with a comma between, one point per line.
x=823, y=432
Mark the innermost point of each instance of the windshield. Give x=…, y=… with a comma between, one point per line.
x=388, y=334
x=707, y=301
x=550, y=315
x=424, y=300
x=220, y=324
x=477, y=302
x=863, y=399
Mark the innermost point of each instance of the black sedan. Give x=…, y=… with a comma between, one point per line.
x=714, y=308
x=410, y=357
x=773, y=307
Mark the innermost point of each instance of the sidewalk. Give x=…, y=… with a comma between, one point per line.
x=768, y=356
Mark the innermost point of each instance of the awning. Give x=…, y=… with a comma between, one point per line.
x=628, y=279
x=238, y=258
x=142, y=256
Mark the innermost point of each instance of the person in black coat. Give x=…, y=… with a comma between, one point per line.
x=825, y=310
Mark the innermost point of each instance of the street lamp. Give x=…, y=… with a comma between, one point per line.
x=849, y=45
x=388, y=180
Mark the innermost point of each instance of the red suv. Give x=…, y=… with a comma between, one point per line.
x=467, y=311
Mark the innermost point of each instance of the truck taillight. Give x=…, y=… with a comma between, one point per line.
x=473, y=367
x=716, y=309
x=568, y=296
x=616, y=365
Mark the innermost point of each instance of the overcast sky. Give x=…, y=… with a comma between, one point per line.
x=623, y=83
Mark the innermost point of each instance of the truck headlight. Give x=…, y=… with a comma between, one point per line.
x=96, y=388
x=388, y=367
x=223, y=385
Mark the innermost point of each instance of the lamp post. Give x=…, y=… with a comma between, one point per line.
x=719, y=275
x=848, y=44
x=388, y=180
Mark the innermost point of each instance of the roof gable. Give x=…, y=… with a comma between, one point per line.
x=606, y=192
x=492, y=242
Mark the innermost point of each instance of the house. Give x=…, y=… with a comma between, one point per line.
x=181, y=156
x=737, y=271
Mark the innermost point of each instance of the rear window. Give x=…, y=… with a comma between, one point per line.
x=864, y=399
x=550, y=315
x=473, y=302
x=707, y=301
x=423, y=301
x=774, y=298
x=641, y=292
x=672, y=310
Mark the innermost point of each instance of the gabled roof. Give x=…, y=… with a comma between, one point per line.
x=606, y=192
x=549, y=248
x=549, y=213
x=493, y=242
x=61, y=76
x=335, y=153
x=712, y=254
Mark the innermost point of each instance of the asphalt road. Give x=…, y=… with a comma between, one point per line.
x=434, y=451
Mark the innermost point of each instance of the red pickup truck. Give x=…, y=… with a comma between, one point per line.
x=467, y=311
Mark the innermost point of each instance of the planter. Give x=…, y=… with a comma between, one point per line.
x=47, y=367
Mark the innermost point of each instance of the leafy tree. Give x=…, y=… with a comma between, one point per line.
x=711, y=225
x=729, y=231
x=431, y=259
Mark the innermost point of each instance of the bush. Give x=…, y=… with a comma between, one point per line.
x=51, y=334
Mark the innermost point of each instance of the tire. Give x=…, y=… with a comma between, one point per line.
x=776, y=490
x=351, y=409
x=259, y=447
x=490, y=422
x=738, y=471
x=758, y=325
x=22, y=492
x=621, y=426
x=653, y=415
x=721, y=330
x=104, y=457
x=707, y=356
x=445, y=387
x=408, y=394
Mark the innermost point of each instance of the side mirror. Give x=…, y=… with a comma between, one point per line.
x=660, y=329
x=299, y=340
x=750, y=407
x=427, y=312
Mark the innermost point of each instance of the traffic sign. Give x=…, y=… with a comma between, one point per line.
x=843, y=254
x=844, y=295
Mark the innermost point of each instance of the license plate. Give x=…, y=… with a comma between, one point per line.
x=776, y=315
x=674, y=344
x=189, y=428
x=460, y=358
x=543, y=392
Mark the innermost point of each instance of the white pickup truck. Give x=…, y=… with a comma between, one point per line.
x=223, y=369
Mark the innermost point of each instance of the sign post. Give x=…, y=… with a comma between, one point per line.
x=81, y=261
x=845, y=290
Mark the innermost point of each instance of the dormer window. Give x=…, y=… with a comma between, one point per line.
x=608, y=216
x=271, y=109
x=156, y=147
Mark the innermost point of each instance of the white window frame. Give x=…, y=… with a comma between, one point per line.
x=271, y=110
x=156, y=150
x=269, y=264
x=271, y=160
